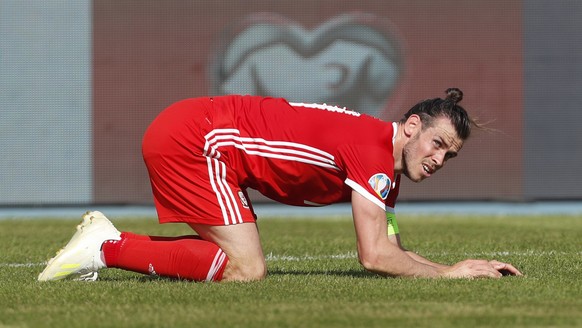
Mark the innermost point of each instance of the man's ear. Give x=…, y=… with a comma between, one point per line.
x=412, y=125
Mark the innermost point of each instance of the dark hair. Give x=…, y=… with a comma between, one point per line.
x=430, y=109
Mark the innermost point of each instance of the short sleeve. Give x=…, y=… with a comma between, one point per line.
x=370, y=171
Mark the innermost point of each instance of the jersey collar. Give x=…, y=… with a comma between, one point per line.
x=395, y=128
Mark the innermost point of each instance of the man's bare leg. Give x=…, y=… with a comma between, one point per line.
x=242, y=245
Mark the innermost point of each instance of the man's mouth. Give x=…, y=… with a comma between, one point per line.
x=429, y=170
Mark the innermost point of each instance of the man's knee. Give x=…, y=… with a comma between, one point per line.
x=239, y=271
x=242, y=245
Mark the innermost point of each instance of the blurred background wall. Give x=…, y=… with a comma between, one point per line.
x=80, y=81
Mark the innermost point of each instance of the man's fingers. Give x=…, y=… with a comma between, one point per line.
x=478, y=269
x=505, y=268
x=481, y=269
x=513, y=271
x=487, y=274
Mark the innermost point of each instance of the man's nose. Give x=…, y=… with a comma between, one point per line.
x=439, y=158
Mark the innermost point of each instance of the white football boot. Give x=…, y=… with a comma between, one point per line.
x=81, y=257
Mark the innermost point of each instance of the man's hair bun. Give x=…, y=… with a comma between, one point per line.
x=454, y=94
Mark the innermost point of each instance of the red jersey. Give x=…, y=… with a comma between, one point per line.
x=303, y=154
x=199, y=152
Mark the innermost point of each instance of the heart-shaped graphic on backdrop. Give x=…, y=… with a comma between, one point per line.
x=351, y=61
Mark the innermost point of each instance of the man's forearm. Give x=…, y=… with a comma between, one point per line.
x=393, y=261
x=423, y=260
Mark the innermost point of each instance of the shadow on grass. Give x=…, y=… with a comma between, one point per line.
x=337, y=273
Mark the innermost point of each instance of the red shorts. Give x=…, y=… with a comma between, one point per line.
x=187, y=185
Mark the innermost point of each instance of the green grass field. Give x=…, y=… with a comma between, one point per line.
x=314, y=279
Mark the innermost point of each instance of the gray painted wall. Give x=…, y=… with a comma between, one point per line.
x=553, y=99
x=45, y=101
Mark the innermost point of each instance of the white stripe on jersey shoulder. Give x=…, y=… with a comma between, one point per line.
x=221, y=131
x=362, y=191
x=284, y=150
x=225, y=134
x=327, y=107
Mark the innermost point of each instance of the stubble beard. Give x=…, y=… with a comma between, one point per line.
x=407, y=153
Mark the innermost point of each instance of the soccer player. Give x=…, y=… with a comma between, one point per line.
x=202, y=154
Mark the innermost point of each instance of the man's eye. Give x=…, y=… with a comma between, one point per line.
x=437, y=143
x=450, y=155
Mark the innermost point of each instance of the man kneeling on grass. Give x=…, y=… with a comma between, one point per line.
x=202, y=154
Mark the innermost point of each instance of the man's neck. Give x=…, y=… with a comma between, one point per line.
x=398, y=147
